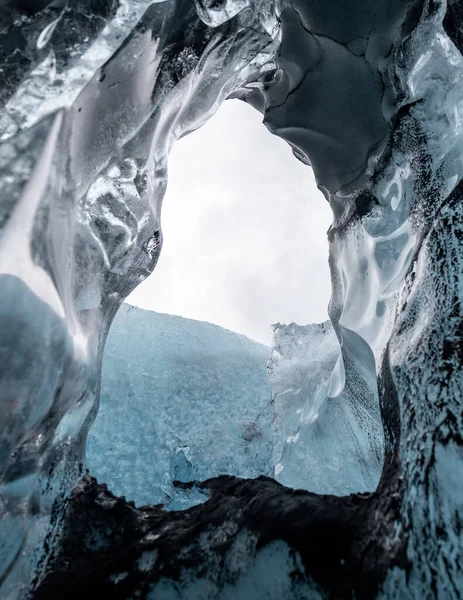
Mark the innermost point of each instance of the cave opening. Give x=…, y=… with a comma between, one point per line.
x=244, y=229
x=185, y=390
x=395, y=260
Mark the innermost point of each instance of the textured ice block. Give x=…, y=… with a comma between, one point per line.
x=181, y=401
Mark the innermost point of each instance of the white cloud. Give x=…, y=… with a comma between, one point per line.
x=244, y=231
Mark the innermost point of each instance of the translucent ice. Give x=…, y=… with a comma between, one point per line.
x=328, y=433
x=93, y=95
x=183, y=401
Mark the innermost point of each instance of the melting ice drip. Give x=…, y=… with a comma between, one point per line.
x=93, y=97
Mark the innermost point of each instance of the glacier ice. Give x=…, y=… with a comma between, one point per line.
x=181, y=401
x=93, y=96
x=328, y=433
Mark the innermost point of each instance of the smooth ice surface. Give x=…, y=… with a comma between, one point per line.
x=183, y=401
x=328, y=436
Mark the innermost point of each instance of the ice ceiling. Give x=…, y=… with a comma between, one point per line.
x=93, y=95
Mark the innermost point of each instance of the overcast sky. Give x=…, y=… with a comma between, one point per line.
x=244, y=231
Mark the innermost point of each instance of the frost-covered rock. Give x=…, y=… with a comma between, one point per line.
x=181, y=401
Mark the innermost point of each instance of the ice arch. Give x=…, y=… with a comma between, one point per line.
x=87, y=124
x=189, y=400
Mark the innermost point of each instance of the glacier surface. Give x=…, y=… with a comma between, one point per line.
x=181, y=401
x=93, y=95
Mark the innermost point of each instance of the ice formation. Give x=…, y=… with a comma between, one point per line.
x=328, y=437
x=93, y=95
x=181, y=401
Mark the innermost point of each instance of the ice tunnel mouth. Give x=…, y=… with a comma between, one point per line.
x=205, y=401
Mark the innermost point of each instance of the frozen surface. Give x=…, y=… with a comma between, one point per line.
x=275, y=574
x=182, y=401
x=327, y=440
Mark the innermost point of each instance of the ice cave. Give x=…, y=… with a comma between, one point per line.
x=148, y=456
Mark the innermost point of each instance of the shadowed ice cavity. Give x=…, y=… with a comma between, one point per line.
x=331, y=51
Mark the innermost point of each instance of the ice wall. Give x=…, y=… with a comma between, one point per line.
x=328, y=436
x=181, y=401
x=93, y=95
